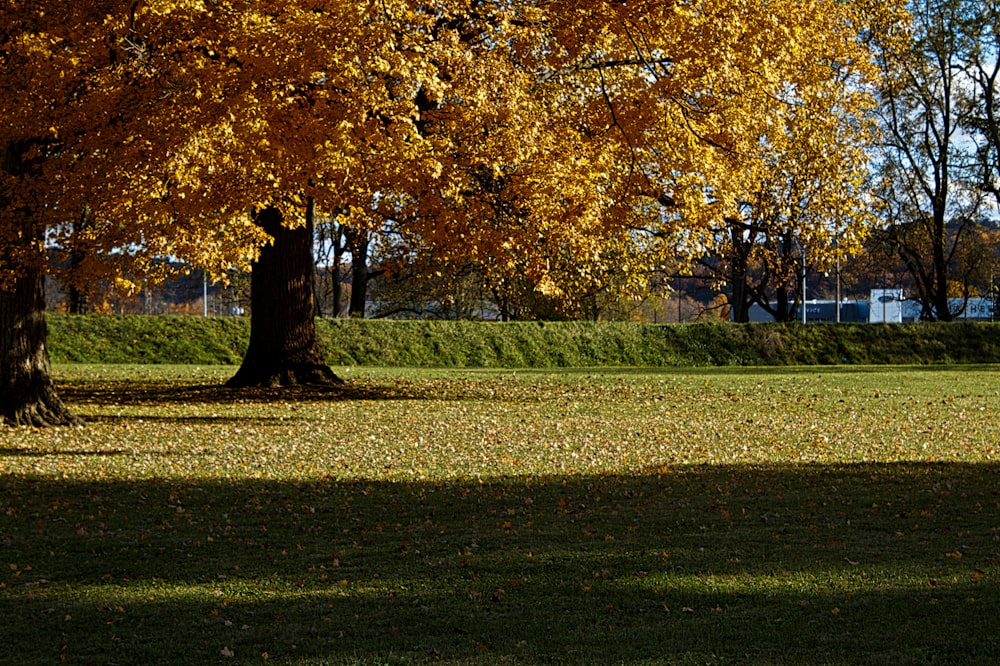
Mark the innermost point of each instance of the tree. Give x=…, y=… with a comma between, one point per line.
x=661, y=123
x=787, y=159
x=322, y=119
x=283, y=349
x=29, y=59
x=330, y=248
x=76, y=101
x=552, y=144
x=983, y=118
x=813, y=204
x=27, y=395
x=930, y=182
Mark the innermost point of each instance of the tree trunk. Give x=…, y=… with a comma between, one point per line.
x=79, y=298
x=338, y=273
x=27, y=395
x=942, y=307
x=358, y=244
x=78, y=303
x=785, y=281
x=740, y=273
x=284, y=349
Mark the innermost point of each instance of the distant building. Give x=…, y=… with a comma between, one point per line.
x=884, y=306
x=819, y=311
x=976, y=309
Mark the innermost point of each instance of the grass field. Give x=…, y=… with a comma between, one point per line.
x=758, y=516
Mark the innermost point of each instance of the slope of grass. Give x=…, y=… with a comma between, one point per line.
x=165, y=339
x=768, y=516
x=147, y=339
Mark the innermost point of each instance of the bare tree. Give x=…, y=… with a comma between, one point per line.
x=983, y=122
x=929, y=169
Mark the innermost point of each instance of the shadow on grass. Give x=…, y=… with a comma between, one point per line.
x=202, y=420
x=754, y=370
x=789, y=564
x=28, y=452
x=159, y=392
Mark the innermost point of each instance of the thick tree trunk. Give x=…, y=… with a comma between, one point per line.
x=27, y=395
x=284, y=349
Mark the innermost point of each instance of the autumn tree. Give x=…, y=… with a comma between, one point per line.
x=548, y=147
x=78, y=96
x=932, y=183
x=40, y=66
x=324, y=117
x=560, y=145
x=812, y=205
x=660, y=124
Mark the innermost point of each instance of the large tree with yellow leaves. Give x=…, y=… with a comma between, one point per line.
x=630, y=134
x=558, y=143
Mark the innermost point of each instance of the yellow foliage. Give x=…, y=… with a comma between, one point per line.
x=565, y=143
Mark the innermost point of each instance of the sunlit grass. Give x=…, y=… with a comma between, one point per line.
x=437, y=425
x=711, y=516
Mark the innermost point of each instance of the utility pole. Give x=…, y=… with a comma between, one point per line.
x=803, y=287
x=838, y=288
x=803, y=282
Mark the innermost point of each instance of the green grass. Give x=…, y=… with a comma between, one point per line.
x=759, y=516
x=223, y=340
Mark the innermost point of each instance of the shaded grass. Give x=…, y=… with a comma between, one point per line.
x=723, y=516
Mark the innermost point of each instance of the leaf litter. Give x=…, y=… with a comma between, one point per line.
x=581, y=498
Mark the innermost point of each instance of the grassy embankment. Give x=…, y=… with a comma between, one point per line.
x=136, y=339
x=765, y=516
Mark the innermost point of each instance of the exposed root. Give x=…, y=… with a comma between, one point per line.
x=297, y=374
x=41, y=415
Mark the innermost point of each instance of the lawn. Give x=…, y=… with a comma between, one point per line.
x=758, y=516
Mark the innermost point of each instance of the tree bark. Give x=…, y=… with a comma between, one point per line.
x=79, y=300
x=27, y=394
x=284, y=348
x=740, y=272
x=358, y=241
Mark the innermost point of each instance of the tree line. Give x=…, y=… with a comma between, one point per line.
x=552, y=155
